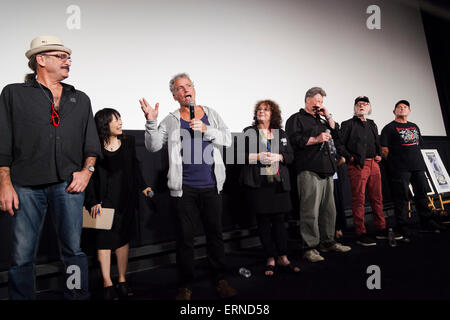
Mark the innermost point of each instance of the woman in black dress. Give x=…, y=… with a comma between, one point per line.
x=115, y=184
x=266, y=180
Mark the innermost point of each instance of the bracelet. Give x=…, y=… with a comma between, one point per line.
x=328, y=118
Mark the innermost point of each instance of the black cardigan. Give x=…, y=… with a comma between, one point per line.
x=354, y=142
x=96, y=190
x=250, y=174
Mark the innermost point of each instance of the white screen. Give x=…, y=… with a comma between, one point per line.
x=237, y=52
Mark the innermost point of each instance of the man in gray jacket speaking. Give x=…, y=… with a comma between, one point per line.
x=194, y=135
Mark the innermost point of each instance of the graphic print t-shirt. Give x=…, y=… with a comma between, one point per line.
x=403, y=141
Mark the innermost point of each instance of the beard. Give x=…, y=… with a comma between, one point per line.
x=363, y=113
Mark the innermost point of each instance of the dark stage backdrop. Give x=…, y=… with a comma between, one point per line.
x=154, y=220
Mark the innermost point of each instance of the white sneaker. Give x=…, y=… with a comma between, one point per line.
x=313, y=256
x=336, y=247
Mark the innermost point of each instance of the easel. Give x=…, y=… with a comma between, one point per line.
x=437, y=173
x=409, y=209
x=440, y=210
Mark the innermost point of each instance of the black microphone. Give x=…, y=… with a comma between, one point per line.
x=323, y=143
x=191, y=109
x=316, y=110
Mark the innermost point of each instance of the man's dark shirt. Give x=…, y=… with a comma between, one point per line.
x=36, y=151
x=371, y=151
x=359, y=140
x=317, y=157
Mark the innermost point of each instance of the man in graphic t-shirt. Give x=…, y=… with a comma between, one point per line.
x=400, y=144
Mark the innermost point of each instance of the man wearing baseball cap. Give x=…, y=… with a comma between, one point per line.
x=400, y=143
x=362, y=151
x=47, y=156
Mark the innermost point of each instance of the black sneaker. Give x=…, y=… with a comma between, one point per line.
x=440, y=225
x=406, y=233
x=384, y=235
x=406, y=239
x=432, y=227
x=365, y=240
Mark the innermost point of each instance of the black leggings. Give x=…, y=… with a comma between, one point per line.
x=272, y=233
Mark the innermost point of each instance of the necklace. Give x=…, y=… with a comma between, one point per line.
x=45, y=94
x=113, y=146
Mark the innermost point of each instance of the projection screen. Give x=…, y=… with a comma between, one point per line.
x=236, y=52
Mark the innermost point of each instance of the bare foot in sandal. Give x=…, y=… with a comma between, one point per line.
x=270, y=267
x=287, y=265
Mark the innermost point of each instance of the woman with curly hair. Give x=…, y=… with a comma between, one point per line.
x=266, y=180
x=115, y=183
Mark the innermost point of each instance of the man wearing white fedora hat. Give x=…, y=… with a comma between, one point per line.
x=47, y=156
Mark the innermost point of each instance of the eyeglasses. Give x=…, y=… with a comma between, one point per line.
x=263, y=109
x=62, y=57
x=362, y=104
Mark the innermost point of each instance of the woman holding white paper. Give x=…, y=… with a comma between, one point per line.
x=116, y=182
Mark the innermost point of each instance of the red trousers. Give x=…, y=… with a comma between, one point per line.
x=368, y=177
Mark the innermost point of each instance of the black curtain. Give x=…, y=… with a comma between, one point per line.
x=436, y=22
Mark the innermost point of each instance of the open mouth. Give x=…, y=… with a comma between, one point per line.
x=188, y=96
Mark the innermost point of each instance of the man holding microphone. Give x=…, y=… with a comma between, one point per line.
x=195, y=178
x=311, y=131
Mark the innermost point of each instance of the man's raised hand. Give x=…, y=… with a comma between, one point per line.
x=149, y=112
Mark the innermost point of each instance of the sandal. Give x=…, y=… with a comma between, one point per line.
x=110, y=293
x=269, y=268
x=124, y=290
x=290, y=268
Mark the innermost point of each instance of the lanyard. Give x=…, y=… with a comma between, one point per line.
x=270, y=171
x=55, y=119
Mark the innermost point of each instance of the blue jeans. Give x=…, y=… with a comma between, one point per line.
x=67, y=214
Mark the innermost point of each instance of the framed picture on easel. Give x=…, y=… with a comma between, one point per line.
x=436, y=169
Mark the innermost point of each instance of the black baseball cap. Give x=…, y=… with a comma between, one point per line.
x=361, y=98
x=404, y=102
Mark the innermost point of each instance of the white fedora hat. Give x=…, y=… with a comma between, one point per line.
x=46, y=43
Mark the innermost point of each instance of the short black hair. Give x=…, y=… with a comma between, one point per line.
x=102, y=119
x=404, y=102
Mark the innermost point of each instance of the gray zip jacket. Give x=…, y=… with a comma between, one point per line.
x=168, y=132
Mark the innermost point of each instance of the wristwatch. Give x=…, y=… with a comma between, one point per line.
x=90, y=168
